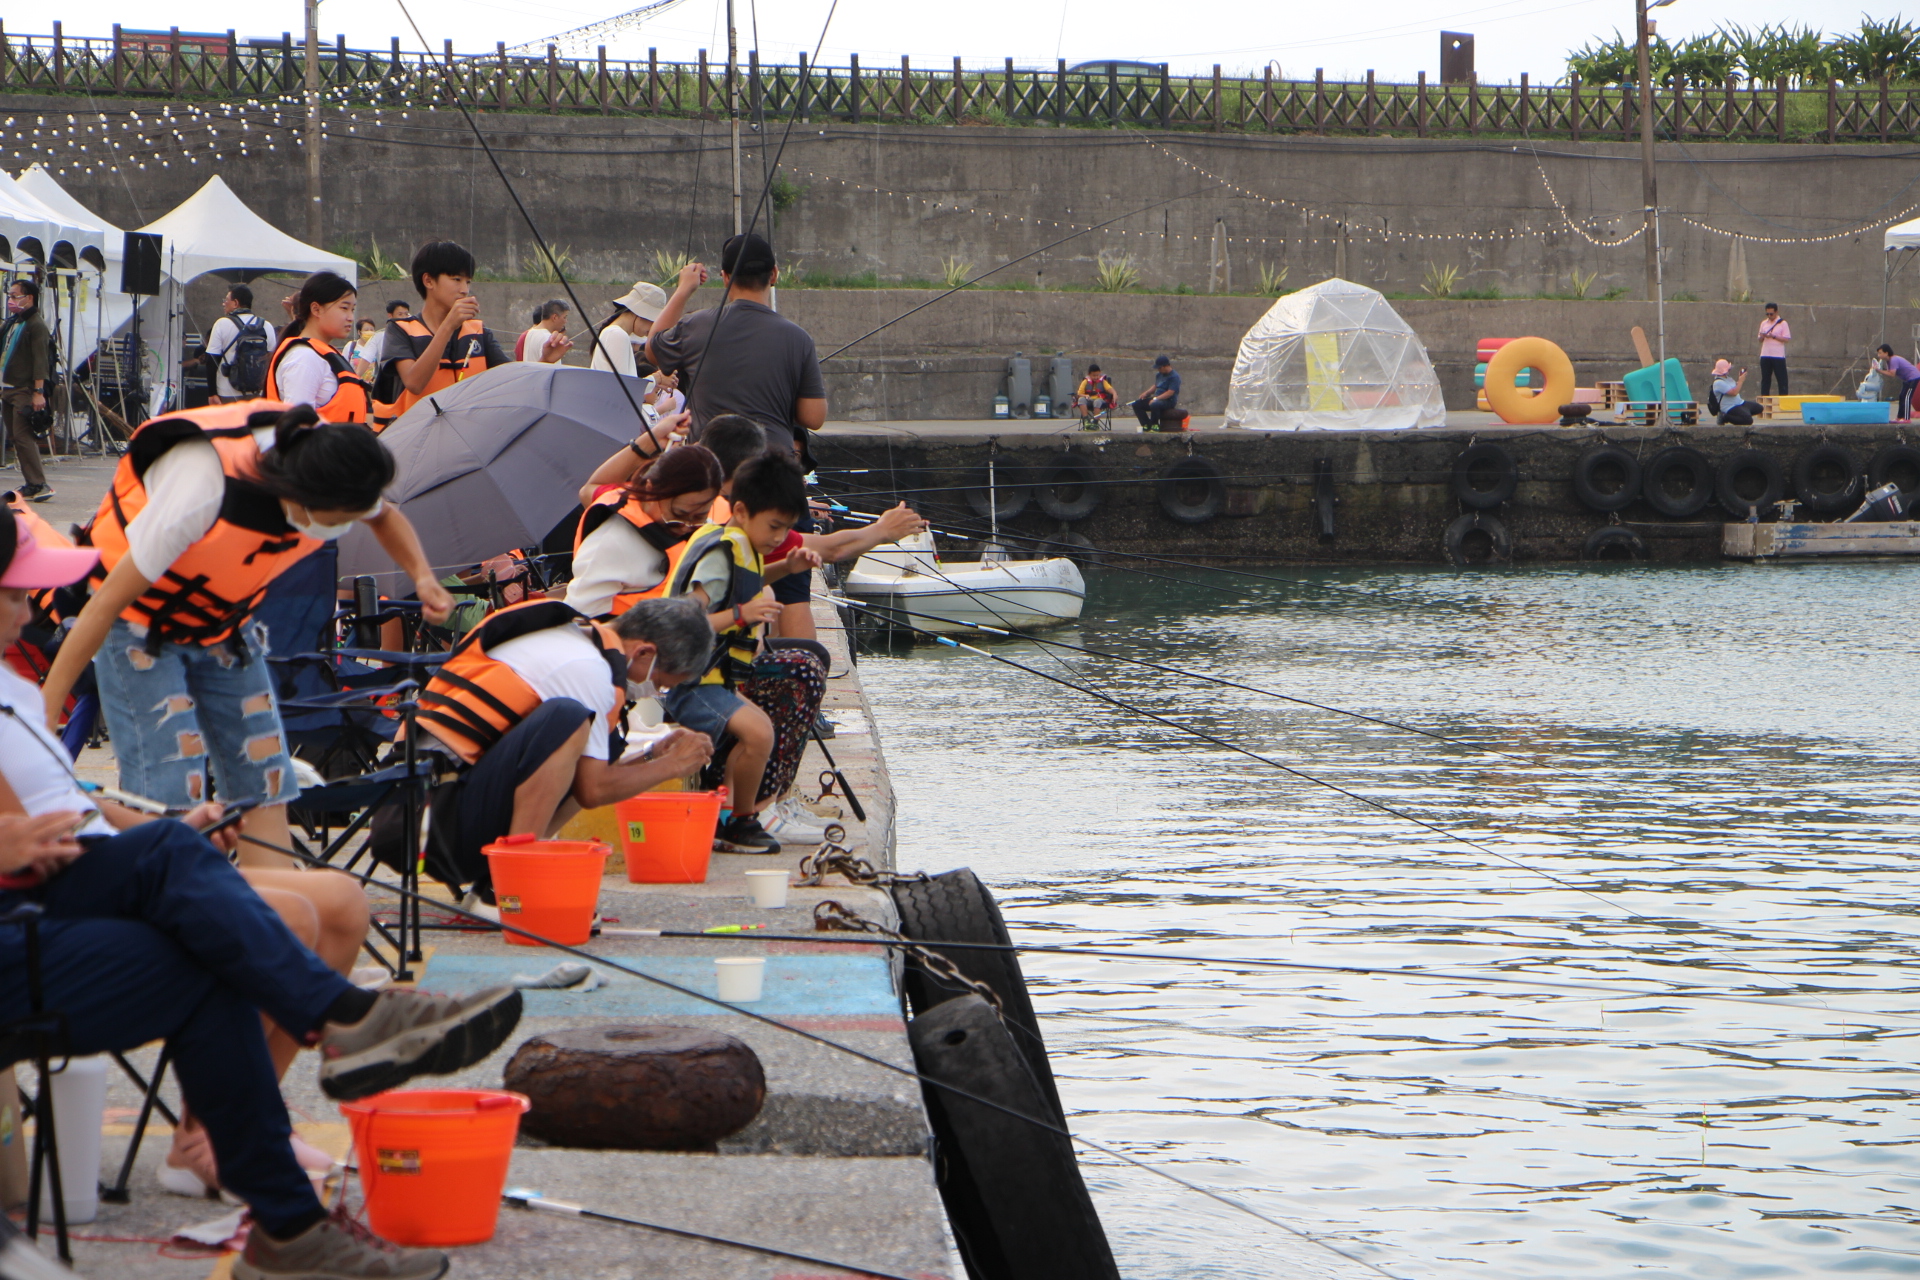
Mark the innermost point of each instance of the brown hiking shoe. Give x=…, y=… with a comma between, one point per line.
x=414, y=1033
x=335, y=1248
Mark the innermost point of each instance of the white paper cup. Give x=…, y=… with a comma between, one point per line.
x=741, y=978
x=769, y=888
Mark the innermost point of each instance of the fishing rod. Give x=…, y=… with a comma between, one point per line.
x=1074, y=235
x=1230, y=962
x=439, y=63
x=522, y=1198
x=1251, y=754
x=366, y=879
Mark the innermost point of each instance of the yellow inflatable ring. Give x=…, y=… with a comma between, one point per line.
x=1517, y=406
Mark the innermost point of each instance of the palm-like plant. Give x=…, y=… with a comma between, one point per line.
x=955, y=272
x=667, y=266
x=1116, y=274
x=549, y=267
x=1879, y=49
x=1440, y=282
x=1583, y=281
x=1707, y=59
x=1273, y=280
x=1604, y=62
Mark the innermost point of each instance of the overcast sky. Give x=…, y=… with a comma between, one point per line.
x=1395, y=38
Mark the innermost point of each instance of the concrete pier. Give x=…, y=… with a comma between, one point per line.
x=835, y=1165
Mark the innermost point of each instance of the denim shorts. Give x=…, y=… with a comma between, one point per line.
x=704, y=708
x=176, y=714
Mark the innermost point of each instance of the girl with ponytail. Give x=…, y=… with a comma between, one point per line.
x=307, y=367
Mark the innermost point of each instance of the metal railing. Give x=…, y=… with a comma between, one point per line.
x=174, y=64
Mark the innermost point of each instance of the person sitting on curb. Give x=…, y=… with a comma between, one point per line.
x=149, y=932
x=1158, y=402
x=531, y=704
x=759, y=737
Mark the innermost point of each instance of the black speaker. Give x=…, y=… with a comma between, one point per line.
x=140, y=264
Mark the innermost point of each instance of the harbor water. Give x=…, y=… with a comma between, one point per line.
x=1686, y=777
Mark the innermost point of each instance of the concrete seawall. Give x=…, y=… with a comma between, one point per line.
x=1393, y=491
x=901, y=200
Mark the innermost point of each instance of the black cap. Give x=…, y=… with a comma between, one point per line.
x=746, y=254
x=1162, y=361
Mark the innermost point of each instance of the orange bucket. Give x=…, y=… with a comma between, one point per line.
x=433, y=1162
x=548, y=886
x=668, y=835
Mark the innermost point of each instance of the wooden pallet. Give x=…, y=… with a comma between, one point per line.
x=1819, y=541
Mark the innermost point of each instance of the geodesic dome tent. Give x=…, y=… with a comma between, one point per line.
x=1333, y=355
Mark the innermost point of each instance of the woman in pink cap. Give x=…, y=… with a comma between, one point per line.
x=1725, y=392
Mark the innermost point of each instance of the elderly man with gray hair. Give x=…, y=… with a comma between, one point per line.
x=531, y=706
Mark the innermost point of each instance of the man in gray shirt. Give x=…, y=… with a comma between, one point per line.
x=759, y=364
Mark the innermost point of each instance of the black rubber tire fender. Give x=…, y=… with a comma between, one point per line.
x=1899, y=463
x=955, y=907
x=1012, y=485
x=1606, y=478
x=1685, y=463
x=1735, y=472
x=1473, y=464
x=1172, y=489
x=1068, y=488
x=1465, y=550
x=1013, y=1191
x=1820, y=463
x=1610, y=540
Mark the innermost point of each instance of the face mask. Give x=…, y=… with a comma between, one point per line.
x=646, y=697
x=324, y=532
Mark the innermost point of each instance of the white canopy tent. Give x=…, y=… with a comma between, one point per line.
x=102, y=311
x=1904, y=241
x=213, y=232
x=71, y=251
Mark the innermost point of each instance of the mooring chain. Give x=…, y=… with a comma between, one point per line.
x=832, y=857
x=832, y=917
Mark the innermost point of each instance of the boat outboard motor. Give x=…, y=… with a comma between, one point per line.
x=1881, y=505
x=1020, y=385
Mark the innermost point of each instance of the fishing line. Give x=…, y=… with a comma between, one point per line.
x=540, y=241
x=1229, y=962
x=1198, y=675
x=1014, y=262
x=524, y=1199
x=1251, y=754
x=367, y=879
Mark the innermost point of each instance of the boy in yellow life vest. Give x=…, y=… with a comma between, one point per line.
x=758, y=698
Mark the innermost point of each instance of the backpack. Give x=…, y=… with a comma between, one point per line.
x=245, y=361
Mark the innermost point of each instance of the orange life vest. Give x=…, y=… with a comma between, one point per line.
x=352, y=401
x=474, y=698
x=671, y=544
x=472, y=359
x=206, y=594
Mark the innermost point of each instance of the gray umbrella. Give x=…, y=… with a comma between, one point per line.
x=495, y=462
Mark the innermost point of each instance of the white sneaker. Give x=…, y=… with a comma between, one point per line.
x=486, y=911
x=790, y=823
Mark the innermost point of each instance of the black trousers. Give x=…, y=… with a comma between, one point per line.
x=1772, y=367
x=1151, y=411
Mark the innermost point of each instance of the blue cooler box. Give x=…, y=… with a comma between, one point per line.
x=1847, y=411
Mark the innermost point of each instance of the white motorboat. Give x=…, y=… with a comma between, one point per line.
x=964, y=595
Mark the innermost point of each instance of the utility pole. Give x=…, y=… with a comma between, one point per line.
x=733, y=111
x=1649, y=192
x=314, y=227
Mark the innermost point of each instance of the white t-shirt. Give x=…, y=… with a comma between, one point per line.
x=613, y=559
x=184, y=491
x=304, y=377
x=535, y=344
x=32, y=759
x=225, y=332
x=560, y=662
x=615, y=345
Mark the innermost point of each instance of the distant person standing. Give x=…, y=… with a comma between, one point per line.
x=364, y=351
x=1775, y=334
x=549, y=319
x=237, y=348
x=1158, y=401
x=1891, y=365
x=634, y=314
x=743, y=357
x=26, y=363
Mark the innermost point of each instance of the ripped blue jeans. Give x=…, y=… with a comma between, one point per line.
x=190, y=712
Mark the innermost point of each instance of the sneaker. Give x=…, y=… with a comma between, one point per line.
x=822, y=726
x=475, y=905
x=36, y=492
x=414, y=1033
x=744, y=834
x=335, y=1248
x=792, y=824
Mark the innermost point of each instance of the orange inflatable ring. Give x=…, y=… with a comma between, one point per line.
x=1517, y=406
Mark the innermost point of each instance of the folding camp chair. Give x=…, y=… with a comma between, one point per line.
x=40, y=1036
